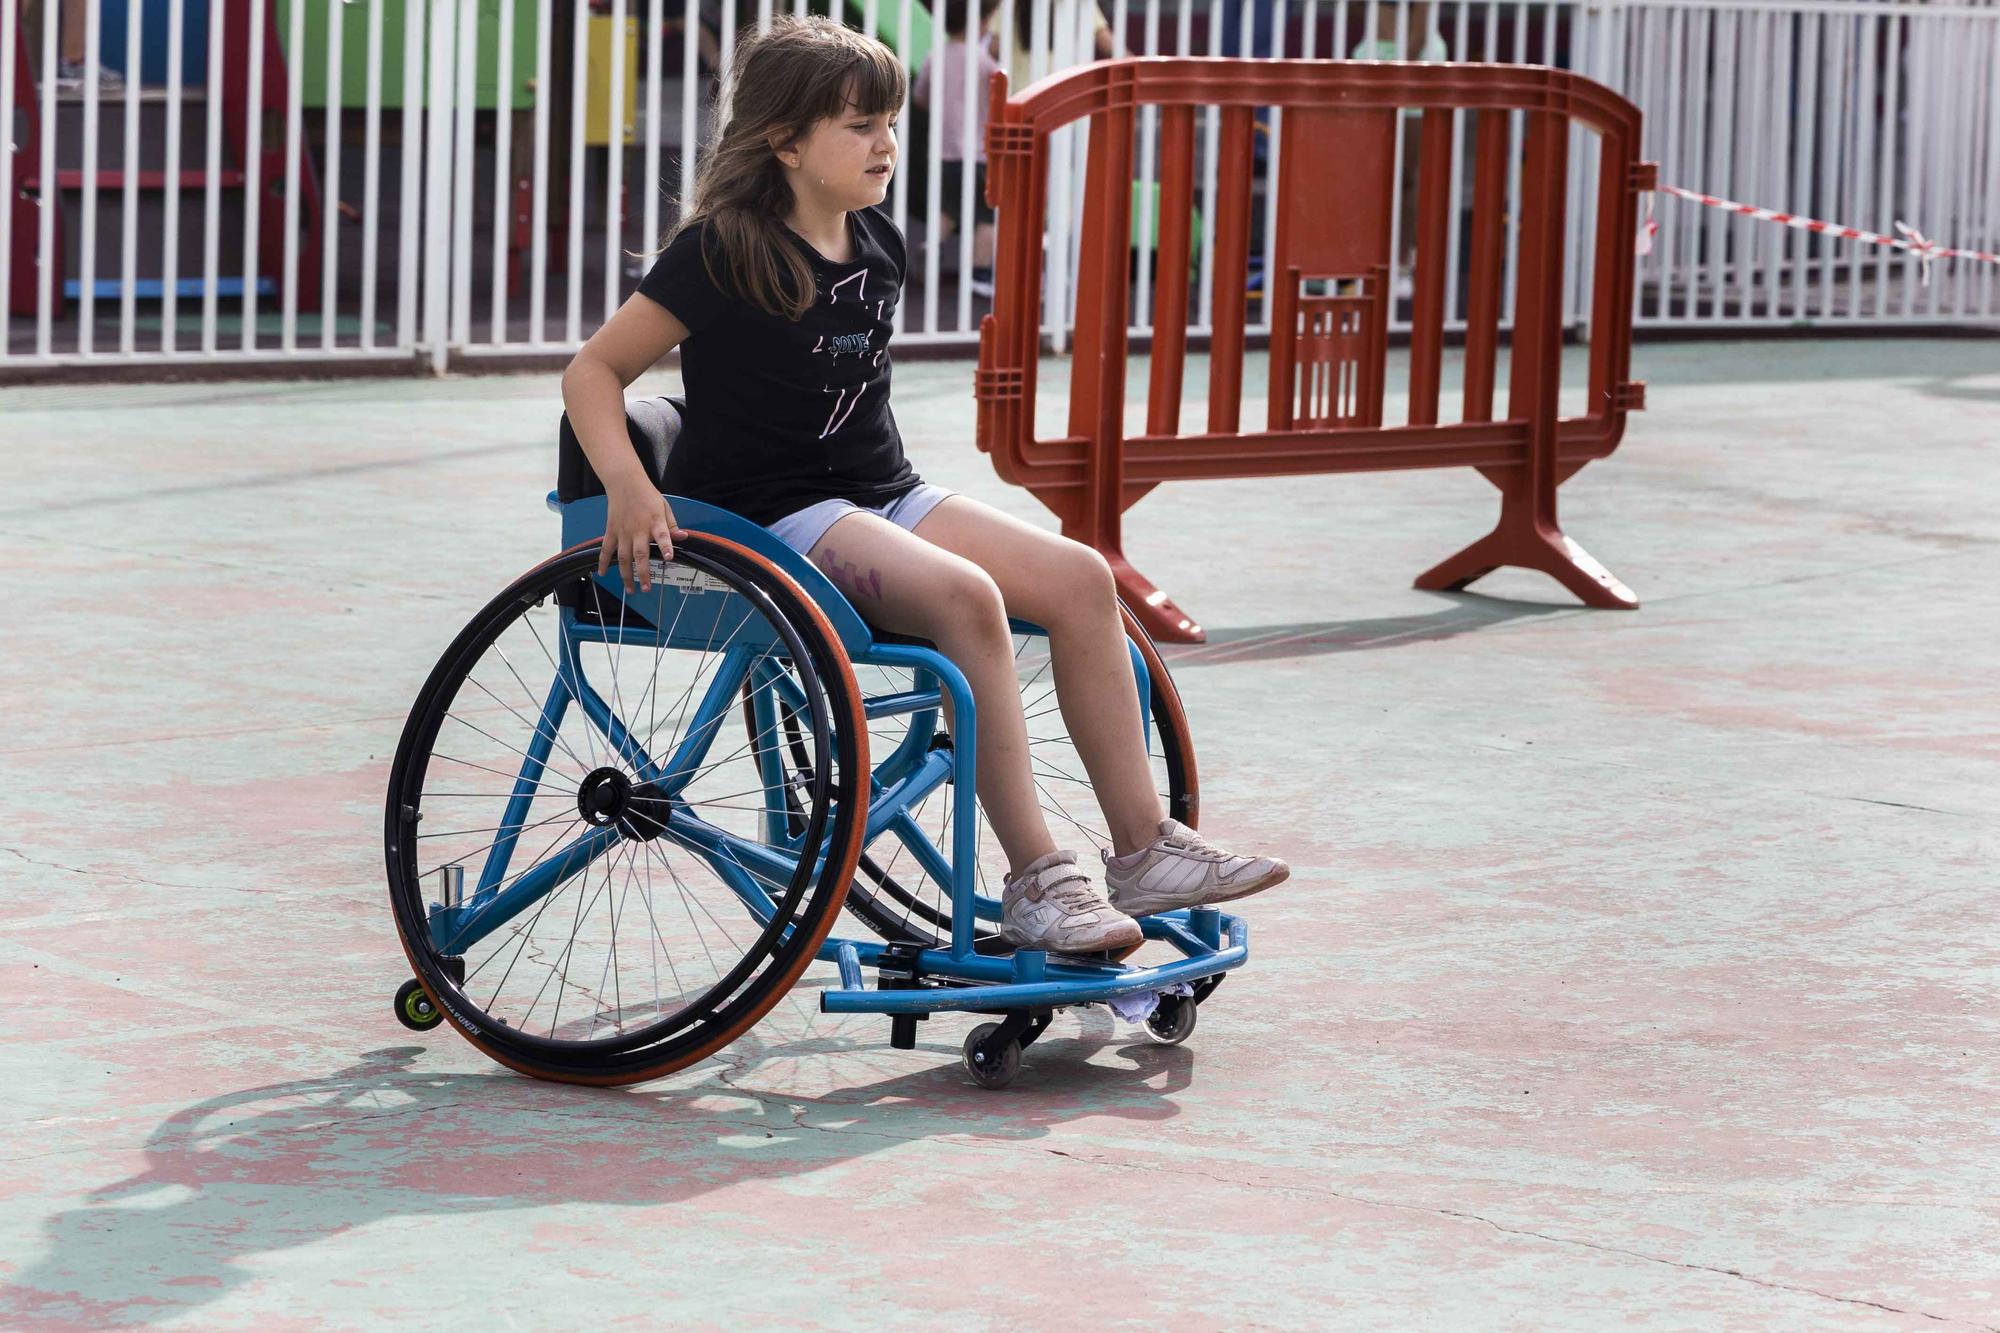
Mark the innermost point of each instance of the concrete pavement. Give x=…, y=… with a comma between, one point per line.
x=1637, y=969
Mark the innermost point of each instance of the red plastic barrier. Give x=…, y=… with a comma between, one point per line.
x=1326, y=389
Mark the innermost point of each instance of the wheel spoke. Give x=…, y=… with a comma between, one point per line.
x=536, y=726
x=497, y=772
x=497, y=828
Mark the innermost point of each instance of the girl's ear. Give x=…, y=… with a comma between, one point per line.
x=781, y=147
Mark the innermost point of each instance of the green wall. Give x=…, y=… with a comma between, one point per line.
x=354, y=51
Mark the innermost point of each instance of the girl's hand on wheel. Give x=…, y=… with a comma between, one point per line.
x=638, y=519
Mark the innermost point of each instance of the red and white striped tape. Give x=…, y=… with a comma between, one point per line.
x=1909, y=238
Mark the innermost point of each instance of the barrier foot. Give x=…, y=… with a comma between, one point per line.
x=1166, y=622
x=1549, y=551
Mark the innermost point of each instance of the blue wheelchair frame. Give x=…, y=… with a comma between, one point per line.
x=925, y=981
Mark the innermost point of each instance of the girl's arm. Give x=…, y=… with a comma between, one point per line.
x=629, y=343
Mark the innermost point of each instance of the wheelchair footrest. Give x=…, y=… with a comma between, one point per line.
x=914, y=982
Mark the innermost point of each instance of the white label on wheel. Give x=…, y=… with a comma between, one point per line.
x=685, y=579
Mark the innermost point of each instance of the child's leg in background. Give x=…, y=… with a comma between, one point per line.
x=982, y=217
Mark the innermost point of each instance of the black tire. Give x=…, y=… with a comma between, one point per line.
x=660, y=819
x=1172, y=1020
x=993, y=1065
x=414, y=1009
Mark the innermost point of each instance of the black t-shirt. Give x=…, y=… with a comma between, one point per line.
x=781, y=415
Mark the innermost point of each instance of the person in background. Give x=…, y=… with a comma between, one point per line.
x=708, y=21
x=1424, y=42
x=1263, y=17
x=1263, y=25
x=940, y=90
x=70, y=48
x=1020, y=66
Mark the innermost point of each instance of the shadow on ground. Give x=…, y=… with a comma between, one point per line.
x=1466, y=613
x=285, y=1165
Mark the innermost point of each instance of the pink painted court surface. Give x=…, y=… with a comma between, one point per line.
x=1637, y=970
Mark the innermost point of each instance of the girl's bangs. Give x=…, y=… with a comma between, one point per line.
x=874, y=84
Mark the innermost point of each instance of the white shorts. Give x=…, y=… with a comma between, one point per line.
x=802, y=528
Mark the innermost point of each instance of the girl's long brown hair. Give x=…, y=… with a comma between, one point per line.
x=782, y=82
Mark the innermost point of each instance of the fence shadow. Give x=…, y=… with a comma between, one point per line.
x=1466, y=613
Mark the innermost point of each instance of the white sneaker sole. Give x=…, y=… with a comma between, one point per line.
x=1229, y=895
x=1115, y=939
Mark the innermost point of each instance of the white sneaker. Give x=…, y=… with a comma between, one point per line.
x=69, y=78
x=1053, y=905
x=1181, y=869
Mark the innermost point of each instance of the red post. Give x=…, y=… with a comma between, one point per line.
x=22, y=216
x=1173, y=248
x=1482, y=310
x=1527, y=534
x=1427, y=329
x=1232, y=270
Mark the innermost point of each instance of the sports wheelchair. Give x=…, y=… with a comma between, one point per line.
x=620, y=825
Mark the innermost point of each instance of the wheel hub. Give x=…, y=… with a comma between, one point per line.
x=639, y=810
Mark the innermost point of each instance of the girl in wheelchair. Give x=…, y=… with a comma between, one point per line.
x=780, y=287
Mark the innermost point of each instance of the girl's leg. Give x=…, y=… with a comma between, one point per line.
x=904, y=584
x=1067, y=589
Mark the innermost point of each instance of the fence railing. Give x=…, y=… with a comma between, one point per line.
x=450, y=181
x=1856, y=112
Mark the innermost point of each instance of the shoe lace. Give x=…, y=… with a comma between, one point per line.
x=1187, y=840
x=1074, y=893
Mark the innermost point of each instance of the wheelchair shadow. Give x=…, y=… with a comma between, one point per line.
x=285, y=1165
x=1467, y=613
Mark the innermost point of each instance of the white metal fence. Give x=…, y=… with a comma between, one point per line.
x=445, y=180
x=1849, y=111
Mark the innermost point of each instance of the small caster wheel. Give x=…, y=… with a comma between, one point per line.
x=414, y=1009
x=1171, y=1020
x=991, y=1065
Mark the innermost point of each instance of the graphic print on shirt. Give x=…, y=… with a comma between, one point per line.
x=844, y=344
x=860, y=292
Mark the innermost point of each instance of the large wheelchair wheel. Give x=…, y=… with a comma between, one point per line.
x=898, y=892
x=595, y=876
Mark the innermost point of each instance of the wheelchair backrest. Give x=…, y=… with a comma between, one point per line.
x=653, y=424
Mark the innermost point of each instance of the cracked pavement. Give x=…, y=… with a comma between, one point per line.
x=1636, y=969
